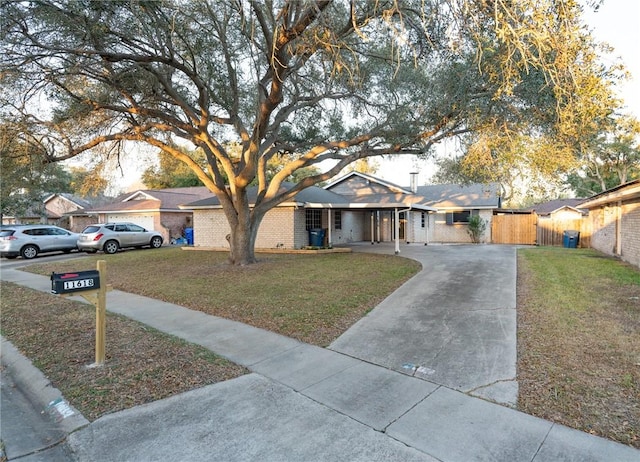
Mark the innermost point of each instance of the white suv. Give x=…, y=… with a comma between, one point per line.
x=28, y=241
x=110, y=237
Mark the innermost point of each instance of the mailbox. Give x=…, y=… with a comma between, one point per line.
x=79, y=281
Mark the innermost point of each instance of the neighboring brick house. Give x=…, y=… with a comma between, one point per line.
x=66, y=210
x=615, y=221
x=55, y=209
x=358, y=207
x=153, y=209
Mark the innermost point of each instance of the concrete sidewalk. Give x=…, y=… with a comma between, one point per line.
x=304, y=403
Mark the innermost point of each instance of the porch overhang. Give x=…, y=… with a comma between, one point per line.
x=369, y=206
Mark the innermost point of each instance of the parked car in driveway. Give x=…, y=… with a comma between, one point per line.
x=110, y=237
x=28, y=241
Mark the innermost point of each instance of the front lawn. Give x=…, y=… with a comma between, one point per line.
x=579, y=341
x=313, y=298
x=578, y=325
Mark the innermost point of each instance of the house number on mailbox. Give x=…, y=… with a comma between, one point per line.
x=78, y=284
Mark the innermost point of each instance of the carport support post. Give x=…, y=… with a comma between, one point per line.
x=397, y=230
x=101, y=313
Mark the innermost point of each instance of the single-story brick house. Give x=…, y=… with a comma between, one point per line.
x=358, y=207
x=615, y=221
x=153, y=209
x=53, y=210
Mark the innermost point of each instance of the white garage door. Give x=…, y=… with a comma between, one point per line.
x=145, y=221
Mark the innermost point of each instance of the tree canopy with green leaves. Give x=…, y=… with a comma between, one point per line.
x=25, y=177
x=319, y=83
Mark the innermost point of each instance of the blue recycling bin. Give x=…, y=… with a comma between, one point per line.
x=316, y=237
x=570, y=239
x=188, y=234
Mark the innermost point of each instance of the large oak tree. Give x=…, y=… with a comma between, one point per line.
x=324, y=83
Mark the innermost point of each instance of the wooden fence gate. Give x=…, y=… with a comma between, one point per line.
x=518, y=228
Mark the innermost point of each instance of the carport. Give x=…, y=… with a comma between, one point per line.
x=375, y=221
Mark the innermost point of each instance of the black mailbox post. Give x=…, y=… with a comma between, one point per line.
x=79, y=281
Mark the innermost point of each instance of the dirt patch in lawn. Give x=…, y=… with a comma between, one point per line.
x=142, y=364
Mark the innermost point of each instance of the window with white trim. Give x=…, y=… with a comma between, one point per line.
x=313, y=219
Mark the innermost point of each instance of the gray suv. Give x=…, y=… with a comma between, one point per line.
x=28, y=241
x=110, y=237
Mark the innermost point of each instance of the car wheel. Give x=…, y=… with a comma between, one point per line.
x=111, y=247
x=29, y=251
x=156, y=242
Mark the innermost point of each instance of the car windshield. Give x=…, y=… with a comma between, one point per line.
x=91, y=229
x=6, y=232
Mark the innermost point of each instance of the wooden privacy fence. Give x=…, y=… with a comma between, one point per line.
x=518, y=228
x=531, y=229
x=550, y=230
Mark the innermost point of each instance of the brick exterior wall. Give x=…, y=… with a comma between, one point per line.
x=604, y=223
x=353, y=227
x=173, y=224
x=281, y=227
x=631, y=232
x=441, y=232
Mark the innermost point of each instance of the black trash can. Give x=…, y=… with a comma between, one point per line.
x=316, y=237
x=570, y=239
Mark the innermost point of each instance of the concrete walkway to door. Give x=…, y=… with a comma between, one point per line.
x=454, y=323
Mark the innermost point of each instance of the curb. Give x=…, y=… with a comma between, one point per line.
x=39, y=390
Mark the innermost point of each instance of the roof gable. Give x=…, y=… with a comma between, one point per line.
x=553, y=206
x=155, y=199
x=74, y=200
x=361, y=184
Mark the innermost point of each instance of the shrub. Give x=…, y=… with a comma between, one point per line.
x=477, y=227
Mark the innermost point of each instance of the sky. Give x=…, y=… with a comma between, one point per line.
x=617, y=22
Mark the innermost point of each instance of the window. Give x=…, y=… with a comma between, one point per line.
x=313, y=219
x=337, y=220
x=461, y=216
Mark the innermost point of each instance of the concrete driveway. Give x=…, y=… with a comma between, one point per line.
x=454, y=323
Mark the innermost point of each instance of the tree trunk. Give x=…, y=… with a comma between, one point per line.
x=242, y=242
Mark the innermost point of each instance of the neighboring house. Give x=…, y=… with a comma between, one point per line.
x=54, y=210
x=153, y=209
x=62, y=209
x=560, y=215
x=357, y=207
x=615, y=221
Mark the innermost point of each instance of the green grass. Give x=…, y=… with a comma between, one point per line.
x=579, y=341
x=313, y=298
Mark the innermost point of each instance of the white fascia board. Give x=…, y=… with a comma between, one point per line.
x=142, y=193
x=369, y=205
x=631, y=192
